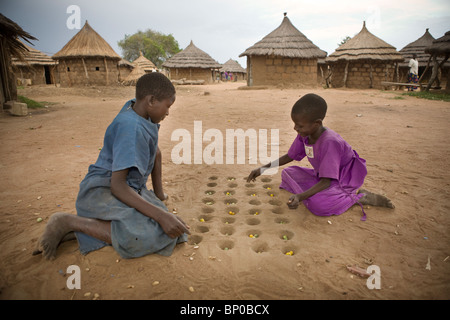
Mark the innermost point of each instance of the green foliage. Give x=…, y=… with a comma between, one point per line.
x=429, y=95
x=344, y=40
x=155, y=46
x=30, y=103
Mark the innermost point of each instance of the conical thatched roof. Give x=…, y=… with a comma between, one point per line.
x=365, y=46
x=33, y=57
x=232, y=66
x=86, y=43
x=285, y=41
x=134, y=76
x=191, y=57
x=417, y=47
x=144, y=63
x=440, y=46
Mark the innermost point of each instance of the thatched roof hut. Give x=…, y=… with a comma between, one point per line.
x=418, y=48
x=440, y=48
x=192, y=64
x=10, y=46
x=364, y=61
x=144, y=63
x=233, y=67
x=35, y=67
x=87, y=59
x=134, y=76
x=285, y=56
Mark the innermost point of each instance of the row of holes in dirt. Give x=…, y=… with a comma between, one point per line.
x=228, y=230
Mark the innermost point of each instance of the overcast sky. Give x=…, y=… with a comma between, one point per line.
x=226, y=28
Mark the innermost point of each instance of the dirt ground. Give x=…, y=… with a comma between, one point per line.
x=45, y=155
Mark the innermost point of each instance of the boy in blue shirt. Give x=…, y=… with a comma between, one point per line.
x=114, y=206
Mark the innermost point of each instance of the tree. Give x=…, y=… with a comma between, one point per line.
x=344, y=40
x=155, y=46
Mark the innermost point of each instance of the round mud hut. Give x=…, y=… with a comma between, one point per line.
x=233, y=68
x=285, y=57
x=87, y=59
x=35, y=68
x=418, y=48
x=440, y=48
x=364, y=62
x=192, y=65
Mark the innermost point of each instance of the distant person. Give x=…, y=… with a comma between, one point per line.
x=413, y=75
x=334, y=184
x=114, y=206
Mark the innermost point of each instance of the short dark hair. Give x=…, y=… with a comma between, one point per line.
x=155, y=84
x=312, y=105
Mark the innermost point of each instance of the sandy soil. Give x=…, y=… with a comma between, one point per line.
x=45, y=155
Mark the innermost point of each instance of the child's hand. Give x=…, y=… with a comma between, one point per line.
x=293, y=202
x=173, y=225
x=254, y=174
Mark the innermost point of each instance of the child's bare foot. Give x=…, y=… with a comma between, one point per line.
x=375, y=199
x=56, y=230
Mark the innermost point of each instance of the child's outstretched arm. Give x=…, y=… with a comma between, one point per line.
x=172, y=225
x=294, y=200
x=277, y=163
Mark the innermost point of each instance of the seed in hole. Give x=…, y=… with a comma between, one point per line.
x=226, y=245
x=281, y=220
x=260, y=247
x=195, y=239
x=286, y=235
x=209, y=192
x=254, y=212
x=228, y=220
x=229, y=192
x=208, y=201
x=230, y=201
x=227, y=230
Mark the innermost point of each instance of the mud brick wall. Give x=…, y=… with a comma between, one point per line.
x=358, y=75
x=280, y=71
x=191, y=74
x=71, y=72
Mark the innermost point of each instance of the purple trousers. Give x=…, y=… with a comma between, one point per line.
x=334, y=200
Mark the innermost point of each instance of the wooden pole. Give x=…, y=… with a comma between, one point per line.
x=107, y=72
x=371, y=76
x=85, y=70
x=345, y=74
x=434, y=73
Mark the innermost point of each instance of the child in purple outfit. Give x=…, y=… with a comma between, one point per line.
x=333, y=185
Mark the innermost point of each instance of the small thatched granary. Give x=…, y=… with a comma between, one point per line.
x=363, y=62
x=87, y=59
x=440, y=48
x=192, y=64
x=284, y=57
x=144, y=63
x=35, y=68
x=10, y=46
x=134, y=76
x=233, y=68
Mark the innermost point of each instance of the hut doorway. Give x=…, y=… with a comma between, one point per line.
x=48, y=77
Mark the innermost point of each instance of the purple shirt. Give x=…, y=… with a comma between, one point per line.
x=331, y=157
